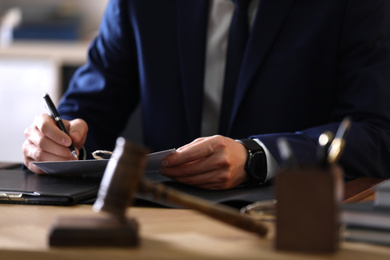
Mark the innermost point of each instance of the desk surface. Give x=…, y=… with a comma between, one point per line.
x=165, y=234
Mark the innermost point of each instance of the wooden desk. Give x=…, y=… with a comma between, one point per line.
x=165, y=234
x=361, y=189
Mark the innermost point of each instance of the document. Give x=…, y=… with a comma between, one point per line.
x=73, y=182
x=96, y=167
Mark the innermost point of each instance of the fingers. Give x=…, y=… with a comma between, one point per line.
x=199, y=166
x=45, y=127
x=46, y=142
x=216, y=179
x=213, y=172
x=32, y=153
x=192, y=143
x=213, y=162
x=198, y=149
x=78, y=130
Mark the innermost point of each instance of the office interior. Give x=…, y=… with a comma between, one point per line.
x=42, y=43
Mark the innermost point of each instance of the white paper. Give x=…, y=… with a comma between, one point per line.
x=96, y=167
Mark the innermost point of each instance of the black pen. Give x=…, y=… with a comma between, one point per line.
x=54, y=114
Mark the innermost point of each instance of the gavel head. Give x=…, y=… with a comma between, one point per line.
x=121, y=178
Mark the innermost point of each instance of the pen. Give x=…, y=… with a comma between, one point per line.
x=54, y=114
x=337, y=145
x=324, y=142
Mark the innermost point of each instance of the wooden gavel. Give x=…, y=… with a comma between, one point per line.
x=123, y=179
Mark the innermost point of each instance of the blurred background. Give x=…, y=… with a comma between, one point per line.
x=42, y=43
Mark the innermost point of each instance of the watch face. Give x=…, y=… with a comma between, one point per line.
x=255, y=163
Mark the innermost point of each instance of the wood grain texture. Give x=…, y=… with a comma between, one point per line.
x=164, y=234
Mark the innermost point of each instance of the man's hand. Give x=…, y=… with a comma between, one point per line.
x=46, y=142
x=214, y=163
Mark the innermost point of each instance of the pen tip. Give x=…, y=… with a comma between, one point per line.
x=74, y=154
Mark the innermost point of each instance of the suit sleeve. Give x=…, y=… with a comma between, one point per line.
x=105, y=90
x=363, y=92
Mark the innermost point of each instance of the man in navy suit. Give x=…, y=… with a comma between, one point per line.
x=307, y=65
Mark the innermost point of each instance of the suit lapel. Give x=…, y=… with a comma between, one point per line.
x=269, y=20
x=192, y=30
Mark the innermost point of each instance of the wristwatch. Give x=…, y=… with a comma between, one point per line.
x=256, y=163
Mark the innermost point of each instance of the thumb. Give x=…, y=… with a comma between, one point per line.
x=78, y=130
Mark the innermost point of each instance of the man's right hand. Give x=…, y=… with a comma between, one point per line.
x=46, y=142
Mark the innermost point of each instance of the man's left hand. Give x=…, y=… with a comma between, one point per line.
x=214, y=163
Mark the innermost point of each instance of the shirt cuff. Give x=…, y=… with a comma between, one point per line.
x=272, y=165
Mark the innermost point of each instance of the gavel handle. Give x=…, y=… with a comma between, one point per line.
x=220, y=212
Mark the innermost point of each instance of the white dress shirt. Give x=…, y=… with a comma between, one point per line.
x=220, y=16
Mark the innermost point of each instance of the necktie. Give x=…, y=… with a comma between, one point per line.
x=238, y=36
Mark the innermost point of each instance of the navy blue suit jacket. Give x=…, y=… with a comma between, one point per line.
x=307, y=66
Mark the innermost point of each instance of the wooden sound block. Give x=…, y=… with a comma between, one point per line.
x=94, y=231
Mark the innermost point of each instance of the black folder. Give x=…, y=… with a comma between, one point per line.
x=236, y=197
x=25, y=187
